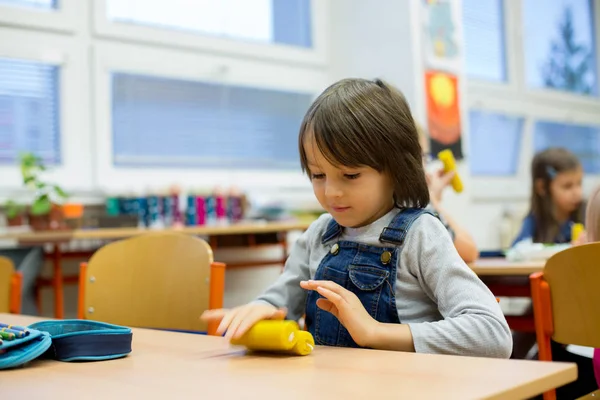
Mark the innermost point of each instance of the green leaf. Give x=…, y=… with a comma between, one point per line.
x=41, y=206
x=60, y=192
x=13, y=209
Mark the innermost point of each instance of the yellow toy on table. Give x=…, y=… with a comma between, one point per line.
x=277, y=336
x=447, y=158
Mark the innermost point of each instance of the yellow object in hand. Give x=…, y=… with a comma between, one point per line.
x=447, y=158
x=277, y=336
x=576, y=230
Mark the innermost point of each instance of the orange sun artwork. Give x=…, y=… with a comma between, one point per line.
x=443, y=111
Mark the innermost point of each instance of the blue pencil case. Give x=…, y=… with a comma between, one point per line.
x=85, y=340
x=24, y=345
x=63, y=340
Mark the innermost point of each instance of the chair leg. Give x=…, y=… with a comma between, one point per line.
x=216, y=293
x=542, y=313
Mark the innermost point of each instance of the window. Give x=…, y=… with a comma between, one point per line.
x=29, y=110
x=282, y=22
x=483, y=24
x=559, y=45
x=494, y=141
x=38, y=4
x=174, y=123
x=582, y=140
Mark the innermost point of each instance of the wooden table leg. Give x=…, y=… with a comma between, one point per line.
x=59, y=310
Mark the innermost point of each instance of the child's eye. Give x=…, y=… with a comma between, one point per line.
x=317, y=176
x=351, y=176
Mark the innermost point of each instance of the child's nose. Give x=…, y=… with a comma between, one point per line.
x=332, y=190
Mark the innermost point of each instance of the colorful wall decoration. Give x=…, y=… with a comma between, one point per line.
x=443, y=112
x=443, y=64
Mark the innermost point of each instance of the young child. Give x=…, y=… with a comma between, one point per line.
x=556, y=197
x=556, y=203
x=437, y=182
x=377, y=271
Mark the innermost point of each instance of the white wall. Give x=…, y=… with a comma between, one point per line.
x=358, y=38
x=382, y=38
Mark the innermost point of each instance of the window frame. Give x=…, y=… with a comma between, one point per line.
x=109, y=57
x=514, y=97
x=74, y=170
x=67, y=18
x=315, y=56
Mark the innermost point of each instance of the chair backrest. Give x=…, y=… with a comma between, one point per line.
x=7, y=270
x=155, y=280
x=573, y=276
x=10, y=293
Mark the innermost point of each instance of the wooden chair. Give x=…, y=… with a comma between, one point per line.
x=156, y=280
x=566, y=301
x=10, y=294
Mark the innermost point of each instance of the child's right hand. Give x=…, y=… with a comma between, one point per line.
x=436, y=182
x=237, y=321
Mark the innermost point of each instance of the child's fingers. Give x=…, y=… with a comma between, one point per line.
x=232, y=329
x=329, y=285
x=213, y=315
x=330, y=295
x=306, y=285
x=280, y=313
x=314, y=284
x=328, y=306
x=447, y=177
x=247, y=323
x=226, y=321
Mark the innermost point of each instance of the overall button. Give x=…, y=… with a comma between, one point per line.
x=386, y=257
x=335, y=249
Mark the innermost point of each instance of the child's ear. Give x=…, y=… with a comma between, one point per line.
x=540, y=190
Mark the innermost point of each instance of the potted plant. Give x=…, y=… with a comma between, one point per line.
x=15, y=213
x=45, y=211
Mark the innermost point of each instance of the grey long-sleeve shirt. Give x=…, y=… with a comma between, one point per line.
x=447, y=307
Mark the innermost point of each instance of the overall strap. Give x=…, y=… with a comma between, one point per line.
x=333, y=230
x=396, y=231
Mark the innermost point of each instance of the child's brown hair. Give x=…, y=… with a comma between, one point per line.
x=358, y=122
x=544, y=168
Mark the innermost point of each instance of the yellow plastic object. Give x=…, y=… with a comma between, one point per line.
x=576, y=230
x=277, y=336
x=446, y=157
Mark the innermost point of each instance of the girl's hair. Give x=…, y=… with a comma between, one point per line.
x=544, y=168
x=358, y=122
x=592, y=217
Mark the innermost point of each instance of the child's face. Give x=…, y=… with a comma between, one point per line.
x=566, y=190
x=355, y=197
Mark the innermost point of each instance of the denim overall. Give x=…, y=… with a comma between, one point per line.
x=368, y=271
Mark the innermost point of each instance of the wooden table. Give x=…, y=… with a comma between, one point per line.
x=509, y=279
x=122, y=233
x=170, y=365
x=502, y=267
x=56, y=238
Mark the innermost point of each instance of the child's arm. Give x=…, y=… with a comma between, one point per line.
x=473, y=323
x=284, y=297
x=437, y=182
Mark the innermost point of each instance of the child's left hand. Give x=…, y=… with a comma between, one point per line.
x=346, y=307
